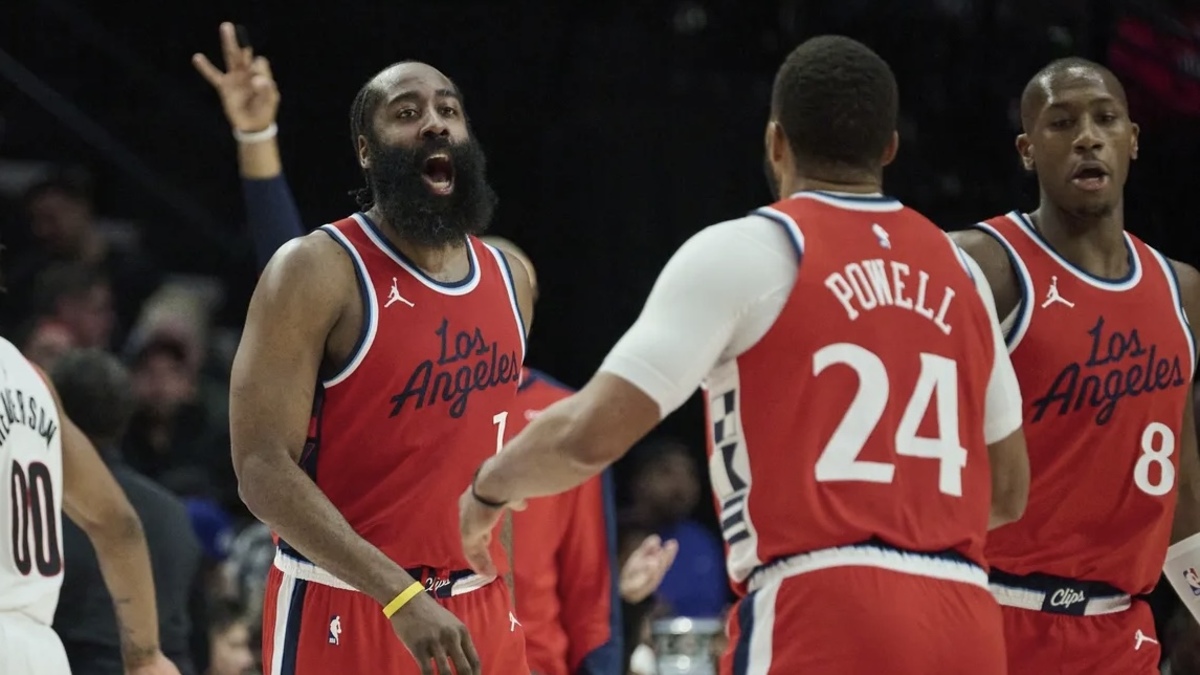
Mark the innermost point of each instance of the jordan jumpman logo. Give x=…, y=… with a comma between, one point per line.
x=1052, y=295
x=394, y=296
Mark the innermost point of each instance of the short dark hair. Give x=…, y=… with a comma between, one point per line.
x=837, y=102
x=96, y=394
x=1033, y=96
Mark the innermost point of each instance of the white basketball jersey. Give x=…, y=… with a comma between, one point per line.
x=31, y=477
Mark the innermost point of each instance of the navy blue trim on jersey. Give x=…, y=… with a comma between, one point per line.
x=797, y=245
x=1132, y=255
x=364, y=294
x=1024, y=308
x=606, y=659
x=850, y=197
x=741, y=650
x=471, y=271
x=512, y=285
x=291, y=635
x=535, y=375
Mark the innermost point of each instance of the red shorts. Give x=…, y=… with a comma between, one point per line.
x=1121, y=643
x=313, y=629
x=865, y=621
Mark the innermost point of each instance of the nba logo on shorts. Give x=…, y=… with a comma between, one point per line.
x=335, y=630
x=1192, y=579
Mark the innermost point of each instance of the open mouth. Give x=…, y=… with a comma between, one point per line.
x=438, y=174
x=1090, y=177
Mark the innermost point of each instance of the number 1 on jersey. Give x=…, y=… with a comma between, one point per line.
x=939, y=376
x=500, y=419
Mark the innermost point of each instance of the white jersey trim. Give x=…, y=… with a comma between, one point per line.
x=1135, y=264
x=1180, y=313
x=293, y=569
x=1024, y=598
x=905, y=562
x=457, y=288
x=851, y=201
x=511, y=286
x=370, y=308
x=1017, y=322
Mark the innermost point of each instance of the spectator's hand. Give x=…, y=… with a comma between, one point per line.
x=158, y=665
x=644, y=569
x=246, y=87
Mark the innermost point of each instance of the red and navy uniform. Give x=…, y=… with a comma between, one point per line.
x=1105, y=368
x=564, y=554
x=848, y=457
x=395, y=437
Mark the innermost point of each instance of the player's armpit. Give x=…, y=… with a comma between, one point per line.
x=1010, y=479
x=297, y=304
x=997, y=268
x=97, y=504
x=570, y=441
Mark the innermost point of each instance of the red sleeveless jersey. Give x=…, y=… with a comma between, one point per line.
x=1105, y=368
x=859, y=415
x=423, y=401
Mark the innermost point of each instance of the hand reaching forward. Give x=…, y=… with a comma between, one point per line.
x=246, y=87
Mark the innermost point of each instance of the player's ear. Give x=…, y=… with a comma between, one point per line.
x=1025, y=150
x=364, y=155
x=776, y=142
x=893, y=147
x=1133, y=149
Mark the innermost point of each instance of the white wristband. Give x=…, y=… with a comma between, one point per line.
x=256, y=136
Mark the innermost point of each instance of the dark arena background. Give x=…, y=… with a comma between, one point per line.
x=613, y=131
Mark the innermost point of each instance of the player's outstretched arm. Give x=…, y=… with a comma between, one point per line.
x=1183, y=556
x=296, y=305
x=94, y=501
x=1007, y=454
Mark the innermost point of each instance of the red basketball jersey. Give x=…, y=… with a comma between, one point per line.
x=1104, y=368
x=423, y=401
x=859, y=415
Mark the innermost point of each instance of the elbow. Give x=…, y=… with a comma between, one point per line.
x=1009, y=501
x=119, y=528
x=258, y=477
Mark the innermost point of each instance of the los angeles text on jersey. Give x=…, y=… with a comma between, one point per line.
x=466, y=361
x=863, y=286
x=1118, y=364
x=21, y=409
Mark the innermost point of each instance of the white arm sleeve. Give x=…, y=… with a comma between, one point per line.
x=716, y=297
x=1002, y=415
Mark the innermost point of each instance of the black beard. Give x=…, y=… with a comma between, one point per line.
x=412, y=210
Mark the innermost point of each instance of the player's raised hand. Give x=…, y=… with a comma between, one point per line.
x=158, y=665
x=246, y=87
x=436, y=638
x=645, y=568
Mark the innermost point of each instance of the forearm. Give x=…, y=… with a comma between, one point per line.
x=259, y=160
x=271, y=213
x=550, y=456
x=125, y=565
x=281, y=495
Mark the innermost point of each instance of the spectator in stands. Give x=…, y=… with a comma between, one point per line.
x=43, y=341
x=80, y=299
x=175, y=439
x=64, y=229
x=95, y=392
x=229, y=635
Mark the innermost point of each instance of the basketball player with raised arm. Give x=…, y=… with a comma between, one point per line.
x=1097, y=328
x=378, y=357
x=47, y=467
x=864, y=420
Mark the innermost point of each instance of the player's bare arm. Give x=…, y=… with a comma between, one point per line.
x=94, y=501
x=996, y=266
x=304, y=309
x=1183, y=556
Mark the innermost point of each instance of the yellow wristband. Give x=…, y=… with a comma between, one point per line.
x=402, y=599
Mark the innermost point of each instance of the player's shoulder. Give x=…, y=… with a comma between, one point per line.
x=1189, y=287
x=310, y=262
x=753, y=232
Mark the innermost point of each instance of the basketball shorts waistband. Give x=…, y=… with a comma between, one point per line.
x=1057, y=595
x=944, y=565
x=437, y=584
